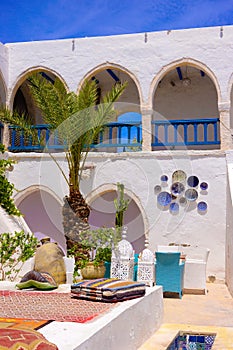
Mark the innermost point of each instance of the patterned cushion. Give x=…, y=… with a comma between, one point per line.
x=108, y=289
x=38, y=280
x=23, y=339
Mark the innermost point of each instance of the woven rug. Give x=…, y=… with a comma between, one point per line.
x=49, y=306
x=21, y=323
x=24, y=339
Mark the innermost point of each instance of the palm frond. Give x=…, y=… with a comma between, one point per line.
x=22, y=120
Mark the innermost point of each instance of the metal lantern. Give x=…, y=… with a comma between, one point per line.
x=146, y=266
x=122, y=262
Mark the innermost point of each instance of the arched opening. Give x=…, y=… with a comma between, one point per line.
x=42, y=213
x=23, y=102
x=22, y=99
x=105, y=76
x=103, y=215
x=187, y=95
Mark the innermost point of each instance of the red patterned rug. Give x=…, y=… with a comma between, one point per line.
x=22, y=323
x=49, y=306
x=23, y=339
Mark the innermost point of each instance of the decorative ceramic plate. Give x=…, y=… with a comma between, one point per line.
x=202, y=206
x=193, y=181
x=174, y=207
x=191, y=194
x=204, y=186
x=164, y=198
x=177, y=188
x=183, y=201
x=179, y=176
x=164, y=178
x=157, y=189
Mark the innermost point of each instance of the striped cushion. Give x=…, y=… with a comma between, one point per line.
x=108, y=289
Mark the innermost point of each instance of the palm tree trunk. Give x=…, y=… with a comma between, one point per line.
x=75, y=217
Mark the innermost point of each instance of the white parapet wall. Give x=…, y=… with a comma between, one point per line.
x=127, y=326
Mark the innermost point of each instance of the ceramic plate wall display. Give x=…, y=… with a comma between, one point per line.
x=164, y=178
x=204, y=186
x=179, y=176
x=193, y=181
x=164, y=198
x=202, y=206
x=157, y=189
x=191, y=194
x=174, y=207
x=177, y=188
x=183, y=201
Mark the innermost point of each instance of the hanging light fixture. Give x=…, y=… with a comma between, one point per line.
x=186, y=80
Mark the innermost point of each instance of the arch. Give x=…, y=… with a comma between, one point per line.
x=22, y=77
x=108, y=65
x=42, y=210
x=229, y=88
x=20, y=195
x=182, y=62
x=135, y=214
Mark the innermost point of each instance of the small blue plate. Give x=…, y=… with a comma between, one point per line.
x=164, y=198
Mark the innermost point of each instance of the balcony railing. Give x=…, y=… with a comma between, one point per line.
x=185, y=132
x=125, y=136
x=116, y=135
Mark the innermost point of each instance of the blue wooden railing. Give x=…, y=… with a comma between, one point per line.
x=125, y=136
x=185, y=132
x=117, y=135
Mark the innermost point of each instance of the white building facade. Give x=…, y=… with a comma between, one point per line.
x=180, y=85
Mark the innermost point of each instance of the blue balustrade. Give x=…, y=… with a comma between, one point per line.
x=114, y=135
x=185, y=132
x=120, y=135
x=123, y=136
x=41, y=138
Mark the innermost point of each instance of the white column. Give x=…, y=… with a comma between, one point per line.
x=146, y=128
x=225, y=128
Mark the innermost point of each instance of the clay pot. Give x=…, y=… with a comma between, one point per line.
x=90, y=271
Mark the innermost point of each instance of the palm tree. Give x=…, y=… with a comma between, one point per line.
x=77, y=120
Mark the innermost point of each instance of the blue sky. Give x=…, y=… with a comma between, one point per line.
x=27, y=20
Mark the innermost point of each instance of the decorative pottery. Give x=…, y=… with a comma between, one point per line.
x=204, y=186
x=202, y=206
x=164, y=178
x=191, y=194
x=157, y=189
x=90, y=271
x=179, y=176
x=164, y=198
x=177, y=188
x=183, y=201
x=193, y=181
x=174, y=207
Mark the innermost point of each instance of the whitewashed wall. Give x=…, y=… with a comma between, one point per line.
x=147, y=60
x=74, y=58
x=140, y=172
x=229, y=226
x=3, y=72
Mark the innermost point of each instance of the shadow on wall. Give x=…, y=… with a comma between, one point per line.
x=103, y=215
x=42, y=212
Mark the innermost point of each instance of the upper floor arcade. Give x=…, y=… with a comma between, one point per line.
x=178, y=95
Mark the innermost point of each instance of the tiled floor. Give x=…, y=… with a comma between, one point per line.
x=210, y=313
